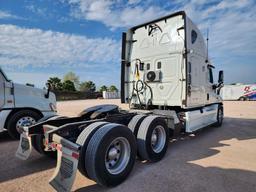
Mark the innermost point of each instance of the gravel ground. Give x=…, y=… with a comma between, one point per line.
x=215, y=159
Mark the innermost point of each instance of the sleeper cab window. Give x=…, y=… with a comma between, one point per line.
x=193, y=36
x=148, y=66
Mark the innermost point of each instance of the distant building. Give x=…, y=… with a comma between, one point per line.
x=110, y=95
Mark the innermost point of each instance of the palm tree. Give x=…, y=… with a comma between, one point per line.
x=103, y=88
x=113, y=88
x=55, y=83
x=71, y=76
x=87, y=86
x=68, y=86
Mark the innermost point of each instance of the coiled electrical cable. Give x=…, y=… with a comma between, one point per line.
x=151, y=94
x=138, y=88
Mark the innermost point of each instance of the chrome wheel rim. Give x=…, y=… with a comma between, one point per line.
x=117, y=155
x=158, y=139
x=24, y=121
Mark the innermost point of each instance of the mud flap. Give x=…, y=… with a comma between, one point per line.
x=67, y=162
x=25, y=147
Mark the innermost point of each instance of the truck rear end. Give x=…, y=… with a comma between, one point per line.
x=153, y=63
x=165, y=64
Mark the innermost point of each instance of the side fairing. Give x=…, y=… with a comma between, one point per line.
x=199, y=88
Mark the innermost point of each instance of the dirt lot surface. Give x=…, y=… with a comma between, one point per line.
x=215, y=159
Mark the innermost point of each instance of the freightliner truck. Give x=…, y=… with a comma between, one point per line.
x=22, y=105
x=167, y=80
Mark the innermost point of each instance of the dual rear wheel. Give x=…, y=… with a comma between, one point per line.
x=108, y=153
x=109, y=150
x=152, y=136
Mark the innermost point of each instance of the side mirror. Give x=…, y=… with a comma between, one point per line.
x=221, y=77
x=48, y=90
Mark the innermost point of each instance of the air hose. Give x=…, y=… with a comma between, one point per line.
x=151, y=95
x=139, y=87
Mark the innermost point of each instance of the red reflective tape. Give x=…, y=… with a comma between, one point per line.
x=44, y=129
x=58, y=147
x=75, y=155
x=53, y=145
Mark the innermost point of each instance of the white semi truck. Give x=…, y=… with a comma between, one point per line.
x=22, y=105
x=166, y=78
x=239, y=92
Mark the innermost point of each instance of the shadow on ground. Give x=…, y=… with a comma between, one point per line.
x=176, y=172
x=12, y=168
x=4, y=137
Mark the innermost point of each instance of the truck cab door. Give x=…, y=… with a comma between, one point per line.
x=2, y=82
x=210, y=92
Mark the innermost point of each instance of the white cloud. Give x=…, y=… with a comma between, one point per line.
x=116, y=13
x=36, y=78
x=232, y=35
x=231, y=24
x=225, y=6
x=132, y=2
x=23, y=47
x=37, y=10
x=7, y=15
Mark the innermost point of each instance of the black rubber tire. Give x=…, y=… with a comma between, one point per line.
x=144, y=138
x=83, y=140
x=134, y=125
x=135, y=122
x=11, y=125
x=38, y=140
x=40, y=147
x=219, y=120
x=244, y=98
x=96, y=150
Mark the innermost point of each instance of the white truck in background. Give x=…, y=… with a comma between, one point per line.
x=110, y=95
x=239, y=92
x=22, y=105
x=167, y=80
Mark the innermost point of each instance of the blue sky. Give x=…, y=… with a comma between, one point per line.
x=44, y=38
